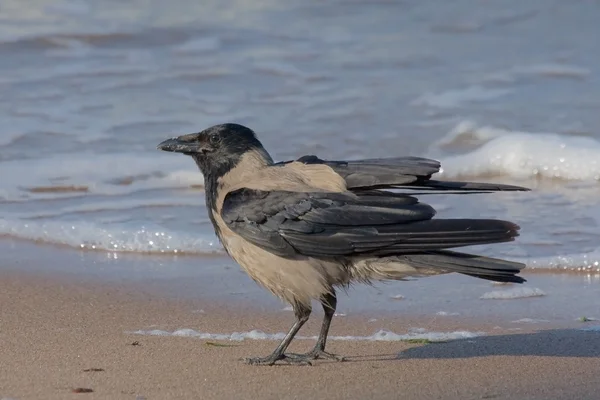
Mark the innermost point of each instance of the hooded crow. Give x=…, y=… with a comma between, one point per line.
x=303, y=228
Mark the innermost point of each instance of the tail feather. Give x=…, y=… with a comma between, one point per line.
x=464, y=186
x=492, y=269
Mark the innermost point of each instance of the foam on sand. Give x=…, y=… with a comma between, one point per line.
x=529, y=321
x=446, y=313
x=513, y=293
x=379, y=336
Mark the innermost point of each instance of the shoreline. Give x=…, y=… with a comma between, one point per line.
x=8, y=241
x=560, y=298
x=58, y=331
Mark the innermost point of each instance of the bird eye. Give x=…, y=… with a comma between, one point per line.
x=213, y=139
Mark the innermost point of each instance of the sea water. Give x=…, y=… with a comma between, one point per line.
x=509, y=93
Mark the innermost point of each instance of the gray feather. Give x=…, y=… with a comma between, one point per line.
x=481, y=267
x=400, y=173
x=334, y=224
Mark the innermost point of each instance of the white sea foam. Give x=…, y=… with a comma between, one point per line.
x=589, y=261
x=379, y=336
x=107, y=174
x=446, y=313
x=113, y=238
x=489, y=151
x=513, y=293
x=109, y=204
x=152, y=238
x=529, y=321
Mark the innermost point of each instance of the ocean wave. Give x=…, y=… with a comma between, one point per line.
x=460, y=97
x=129, y=38
x=550, y=70
x=107, y=174
x=154, y=239
x=89, y=236
x=475, y=151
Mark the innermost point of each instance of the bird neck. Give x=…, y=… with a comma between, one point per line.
x=243, y=169
x=218, y=183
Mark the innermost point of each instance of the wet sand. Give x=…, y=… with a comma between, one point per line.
x=54, y=329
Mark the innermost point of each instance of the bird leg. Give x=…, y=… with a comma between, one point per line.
x=329, y=302
x=302, y=313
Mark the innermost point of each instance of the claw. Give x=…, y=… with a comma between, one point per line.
x=259, y=361
x=329, y=356
x=317, y=354
x=285, y=358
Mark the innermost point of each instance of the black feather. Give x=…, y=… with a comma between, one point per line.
x=488, y=268
x=399, y=173
x=324, y=224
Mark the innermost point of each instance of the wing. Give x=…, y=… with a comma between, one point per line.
x=343, y=224
x=400, y=173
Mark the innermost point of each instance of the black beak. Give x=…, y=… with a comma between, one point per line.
x=178, y=145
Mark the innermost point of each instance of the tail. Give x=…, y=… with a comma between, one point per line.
x=492, y=269
x=462, y=187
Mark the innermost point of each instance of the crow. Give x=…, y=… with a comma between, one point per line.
x=305, y=227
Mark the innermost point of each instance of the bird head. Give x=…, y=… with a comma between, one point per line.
x=217, y=149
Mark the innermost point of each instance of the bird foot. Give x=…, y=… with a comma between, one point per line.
x=291, y=359
x=317, y=354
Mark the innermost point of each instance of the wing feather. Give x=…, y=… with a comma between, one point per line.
x=400, y=173
x=323, y=224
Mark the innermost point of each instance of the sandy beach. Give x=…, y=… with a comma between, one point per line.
x=61, y=334
x=113, y=284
